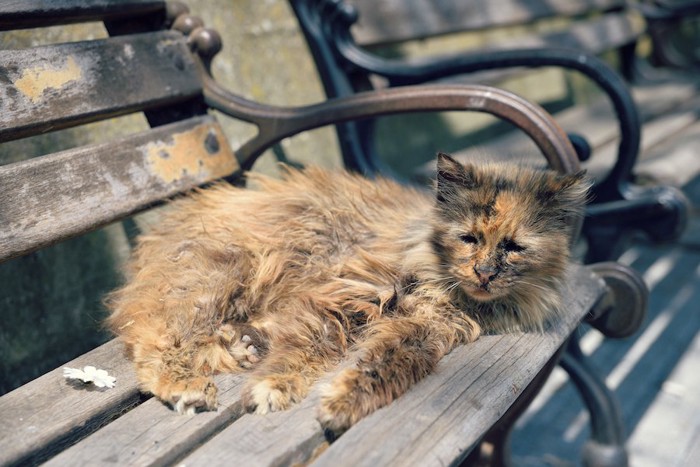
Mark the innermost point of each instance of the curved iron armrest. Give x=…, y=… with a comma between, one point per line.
x=276, y=123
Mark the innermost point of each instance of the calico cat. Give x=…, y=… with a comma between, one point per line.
x=282, y=280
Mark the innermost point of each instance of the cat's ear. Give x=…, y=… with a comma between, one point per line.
x=451, y=175
x=570, y=190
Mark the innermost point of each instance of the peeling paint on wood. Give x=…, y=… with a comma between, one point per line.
x=61, y=85
x=197, y=153
x=35, y=81
x=99, y=184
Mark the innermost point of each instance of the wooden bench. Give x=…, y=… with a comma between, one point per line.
x=477, y=390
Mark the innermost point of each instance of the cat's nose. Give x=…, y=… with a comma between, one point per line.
x=486, y=273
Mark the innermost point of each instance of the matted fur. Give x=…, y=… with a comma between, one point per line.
x=285, y=278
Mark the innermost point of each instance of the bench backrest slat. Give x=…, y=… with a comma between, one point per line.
x=57, y=86
x=49, y=198
x=596, y=36
x=17, y=14
x=388, y=21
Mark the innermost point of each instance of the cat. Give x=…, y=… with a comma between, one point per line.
x=284, y=279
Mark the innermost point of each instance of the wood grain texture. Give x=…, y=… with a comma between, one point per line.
x=601, y=34
x=49, y=413
x=16, y=14
x=52, y=87
x=594, y=36
x=153, y=434
x=50, y=198
x=419, y=19
x=279, y=438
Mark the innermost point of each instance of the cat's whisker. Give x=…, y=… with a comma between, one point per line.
x=532, y=284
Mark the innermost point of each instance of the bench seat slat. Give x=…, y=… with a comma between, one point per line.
x=420, y=19
x=16, y=14
x=81, y=189
x=52, y=87
x=152, y=434
x=49, y=413
x=596, y=36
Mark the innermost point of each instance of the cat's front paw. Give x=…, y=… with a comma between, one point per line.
x=273, y=393
x=351, y=396
x=188, y=396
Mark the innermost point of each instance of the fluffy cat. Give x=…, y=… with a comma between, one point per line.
x=284, y=279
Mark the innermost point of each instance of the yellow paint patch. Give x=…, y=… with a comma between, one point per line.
x=201, y=153
x=37, y=80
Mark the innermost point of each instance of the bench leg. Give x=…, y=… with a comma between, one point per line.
x=495, y=447
x=607, y=444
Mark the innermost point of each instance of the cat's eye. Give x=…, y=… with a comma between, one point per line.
x=469, y=239
x=511, y=247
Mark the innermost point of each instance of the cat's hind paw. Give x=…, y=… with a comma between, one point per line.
x=189, y=396
x=245, y=343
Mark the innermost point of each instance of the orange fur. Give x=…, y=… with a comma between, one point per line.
x=285, y=278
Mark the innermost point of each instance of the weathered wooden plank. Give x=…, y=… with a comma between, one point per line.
x=670, y=150
x=601, y=34
x=57, y=86
x=17, y=14
x=419, y=19
x=152, y=434
x=283, y=438
x=53, y=197
x=49, y=413
x=440, y=418
x=594, y=36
